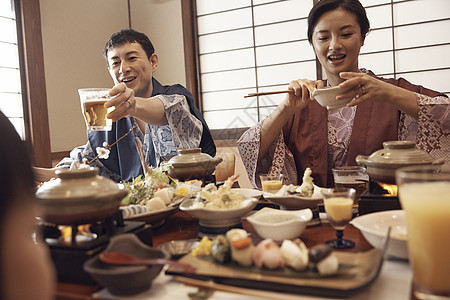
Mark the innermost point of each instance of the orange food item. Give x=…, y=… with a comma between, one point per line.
x=242, y=243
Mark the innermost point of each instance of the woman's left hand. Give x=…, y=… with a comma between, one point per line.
x=364, y=87
x=361, y=87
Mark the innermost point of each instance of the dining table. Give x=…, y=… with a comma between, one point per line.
x=393, y=282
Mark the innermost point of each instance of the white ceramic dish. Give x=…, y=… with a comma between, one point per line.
x=296, y=202
x=374, y=228
x=280, y=225
x=248, y=193
x=326, y=97
x=218, y=217
x=156, y=218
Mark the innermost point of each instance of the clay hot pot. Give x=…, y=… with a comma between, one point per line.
x=192, y=164
x=79, y=197
x=381, y=164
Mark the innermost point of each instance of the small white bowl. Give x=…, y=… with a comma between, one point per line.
x=280, y=225
x=326, y=97
x=374, y=228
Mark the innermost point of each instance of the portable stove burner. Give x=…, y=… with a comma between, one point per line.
x=377, y=198
x=70, y=255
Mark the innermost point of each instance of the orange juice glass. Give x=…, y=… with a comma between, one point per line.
x=424, y=193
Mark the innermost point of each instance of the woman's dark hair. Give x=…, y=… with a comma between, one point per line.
x=323, y=6
x=128, y=36
x=17, y=185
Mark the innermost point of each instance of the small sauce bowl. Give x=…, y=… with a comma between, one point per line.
x=280, y=225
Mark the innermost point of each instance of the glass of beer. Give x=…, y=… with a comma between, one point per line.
x=93, y=107
x=271, y=183
x=351, y=177
x=424, y=193
x=338, y=204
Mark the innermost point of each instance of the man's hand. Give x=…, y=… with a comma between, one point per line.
x=123, y=102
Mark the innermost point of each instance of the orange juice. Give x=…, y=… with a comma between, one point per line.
x=271, y=185
x=339, y=211
x=427, y=206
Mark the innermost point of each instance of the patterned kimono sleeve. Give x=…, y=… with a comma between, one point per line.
x=431, y=131
x=278, y=160
x=184, y=130
x=85, y=151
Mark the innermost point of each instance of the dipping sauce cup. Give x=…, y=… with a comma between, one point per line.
x=424, y=193
x=93, y=107
x=271, y=183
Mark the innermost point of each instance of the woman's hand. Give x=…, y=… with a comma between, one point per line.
x=123, y=102
x=302, y=93
x=364, y=87
x=296, y=101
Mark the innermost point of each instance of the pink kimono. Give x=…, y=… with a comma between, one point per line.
x=308, y=141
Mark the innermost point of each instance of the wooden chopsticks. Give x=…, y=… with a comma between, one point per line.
x=268, y=93
x=233, y=289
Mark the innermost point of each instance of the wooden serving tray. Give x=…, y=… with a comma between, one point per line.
x=356, y=271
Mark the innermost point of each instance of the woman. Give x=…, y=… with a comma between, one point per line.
x=300, y=133
x=26, y=271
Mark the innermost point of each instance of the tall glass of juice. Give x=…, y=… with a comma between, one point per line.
x=424, y=193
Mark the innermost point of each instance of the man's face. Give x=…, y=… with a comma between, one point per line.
x=128, y=63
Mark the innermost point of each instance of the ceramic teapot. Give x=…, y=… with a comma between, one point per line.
x=382, y=164
x=192, y=164
x=79, y=196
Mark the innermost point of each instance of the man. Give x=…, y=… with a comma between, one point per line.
x=165, y=117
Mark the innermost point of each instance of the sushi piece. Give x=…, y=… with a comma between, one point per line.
x=221, y=249
x=267, y=254
x=324, y=259
x=241, y=246
x=295, y=253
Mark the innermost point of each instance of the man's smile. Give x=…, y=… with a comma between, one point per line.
x=128, y=80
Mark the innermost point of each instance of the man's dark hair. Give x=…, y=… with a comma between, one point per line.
x=352, y=6
x=128, y=36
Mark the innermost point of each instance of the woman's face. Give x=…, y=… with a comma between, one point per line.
x=27, y=268
x=337, y=40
